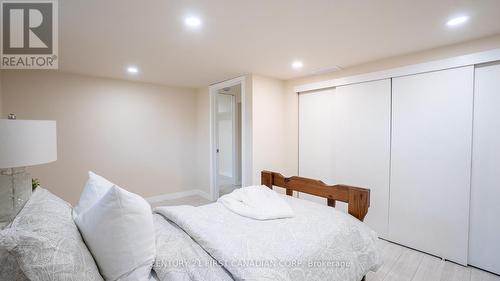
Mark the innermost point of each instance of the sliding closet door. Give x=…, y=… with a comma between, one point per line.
x=362, y=130
x=344, y=137
x=316, y=142
x=484, y=240
x=431, y=162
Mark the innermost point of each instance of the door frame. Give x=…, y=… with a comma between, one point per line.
x=213, y=91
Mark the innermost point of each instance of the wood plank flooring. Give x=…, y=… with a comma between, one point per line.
x=403, y=264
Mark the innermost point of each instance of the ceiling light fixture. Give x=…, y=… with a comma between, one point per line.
x=132, y=70
x=297, y=64
x=457, y=21
x=192, y=21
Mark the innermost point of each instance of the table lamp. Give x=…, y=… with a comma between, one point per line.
x=22, y=143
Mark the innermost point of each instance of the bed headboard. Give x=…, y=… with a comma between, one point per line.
x=358, y=199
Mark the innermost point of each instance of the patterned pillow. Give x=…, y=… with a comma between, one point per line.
x=10, y=269
x=45, y=243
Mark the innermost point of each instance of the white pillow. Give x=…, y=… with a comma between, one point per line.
x=94, y=189
x=117, y=227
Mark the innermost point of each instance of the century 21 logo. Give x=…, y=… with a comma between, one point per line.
x=27, y=28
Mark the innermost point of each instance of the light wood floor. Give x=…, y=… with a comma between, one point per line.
x=400, y=263
x=403, y=264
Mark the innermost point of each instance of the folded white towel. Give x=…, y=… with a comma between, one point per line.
x=257, y=202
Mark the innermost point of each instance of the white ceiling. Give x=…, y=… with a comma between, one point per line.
x=102, y=37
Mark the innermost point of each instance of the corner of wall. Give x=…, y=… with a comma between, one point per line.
x=203, y=139
x=249, y=129
x=273, y=131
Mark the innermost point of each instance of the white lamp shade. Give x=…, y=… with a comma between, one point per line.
x=27, y=142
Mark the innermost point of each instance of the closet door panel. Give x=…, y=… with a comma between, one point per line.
x=316, y=142
x=362, y=129
x=344, y=137
x=484, y=240
x=431, y=162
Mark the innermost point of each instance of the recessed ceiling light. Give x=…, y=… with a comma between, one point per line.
x=457, y=21
x=132, y=70
x=192, y=21
x=297, y=64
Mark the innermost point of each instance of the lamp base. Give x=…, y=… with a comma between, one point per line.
x=15, y=191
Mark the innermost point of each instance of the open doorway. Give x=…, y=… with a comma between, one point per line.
x=227, y=136
x=228, y=130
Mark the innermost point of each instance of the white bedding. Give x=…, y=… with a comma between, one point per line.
x=153, y=277
x=178, y=257
x=319, y=243
x=257, y=202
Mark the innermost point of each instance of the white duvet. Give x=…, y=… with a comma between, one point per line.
x=318, y=243
x=257, y=202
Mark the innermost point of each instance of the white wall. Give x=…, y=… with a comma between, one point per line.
x=266, y=145
x=270, y=143
x=202, y=140
x=140, y=136
x=248, y=148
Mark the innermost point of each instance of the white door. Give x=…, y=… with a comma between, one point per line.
x=344, y=137
x=316, y=141
x=225, y=140
x=484, y=240
x=362, y=130
x=431, y=162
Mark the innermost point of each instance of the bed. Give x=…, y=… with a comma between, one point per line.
x=208, y=242
x=320, y=243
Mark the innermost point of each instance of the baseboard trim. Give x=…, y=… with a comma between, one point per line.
x=204, y=194
x=177, y=195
